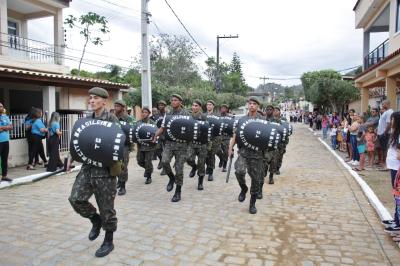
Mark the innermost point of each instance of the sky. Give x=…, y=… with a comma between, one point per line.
x=277, y=39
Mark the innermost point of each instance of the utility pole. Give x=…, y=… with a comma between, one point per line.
x=218, y=85
x=264, y=79
x=146, y=73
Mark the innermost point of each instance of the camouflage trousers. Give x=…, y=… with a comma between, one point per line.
x=123, y=177
x=223, y=150
x=254, y=167
x=179, y=151
x=144, y=159
x=201, y=152
x=104, y=190
x=269, y=162
x=212, y=149
x=281, y=151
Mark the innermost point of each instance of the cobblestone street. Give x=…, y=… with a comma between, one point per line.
x=315, y=214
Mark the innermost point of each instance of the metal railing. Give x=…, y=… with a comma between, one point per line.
x=28, y=49
x=377, y=55
x=66, y=124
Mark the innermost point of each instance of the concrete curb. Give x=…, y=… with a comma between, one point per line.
x=381, y=210
x=32, y=178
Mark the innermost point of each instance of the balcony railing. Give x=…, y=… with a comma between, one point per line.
x=377, y=55
x=28, y=49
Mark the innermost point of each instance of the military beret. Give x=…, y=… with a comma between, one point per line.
x=120, y=102
x=198, y=101
x=225, y=105
x=162, y=102
x=254, y=99
x=99, y=92
x=270, y=106
x=175, y=95
x=211, y=101
x=146, y=108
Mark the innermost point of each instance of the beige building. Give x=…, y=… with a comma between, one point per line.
x=33, y=73
x=381, y=65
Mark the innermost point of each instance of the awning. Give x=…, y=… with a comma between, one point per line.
x=58, y=80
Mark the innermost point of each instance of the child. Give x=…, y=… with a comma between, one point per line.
x=339, y=138
x=333, y=135
x=361, y=145
x=370, y=138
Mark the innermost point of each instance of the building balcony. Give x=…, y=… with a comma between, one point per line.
x=377, y=55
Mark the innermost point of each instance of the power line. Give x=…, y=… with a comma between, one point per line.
x=187, y=31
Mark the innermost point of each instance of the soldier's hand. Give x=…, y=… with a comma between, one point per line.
x=69, y=163
x=154, y=139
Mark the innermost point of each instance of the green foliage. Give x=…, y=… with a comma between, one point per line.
x=88, y=24
x=327, y=90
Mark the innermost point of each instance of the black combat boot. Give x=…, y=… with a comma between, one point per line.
x=278, y=172
x=159, y=166
x=210, y=174
x=260, y=193
x=200, y=185
x=242, y=195
x=220, y=163
x=148, y=179
x=224, y=166
x=193, y=171
x=271, y=179
x=95, y=231
x=252, y=207
x=122, y=190
x=170, y=185
x=107, y=245
x=177, y=195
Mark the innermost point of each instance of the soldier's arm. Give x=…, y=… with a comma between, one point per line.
x=159, y=132
x=231, y=145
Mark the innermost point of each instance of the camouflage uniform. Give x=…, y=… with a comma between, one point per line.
x=123, y=177
x=145, y=153
x=175, y=149
x=198, y=149
x=252, y=161
x=281, y=149
x=96, y=180
x=223, y=150
x=212, y=149
x=269, y=157
x=161, y=139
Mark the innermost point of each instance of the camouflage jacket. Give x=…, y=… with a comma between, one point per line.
x=95, y=171
x=126, y=118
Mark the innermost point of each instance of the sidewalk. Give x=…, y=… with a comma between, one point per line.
x=379, y=181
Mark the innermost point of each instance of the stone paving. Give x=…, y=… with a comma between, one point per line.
x=315, y=214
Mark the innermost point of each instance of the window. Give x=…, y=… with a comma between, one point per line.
x=398, y=16
x=12, y=28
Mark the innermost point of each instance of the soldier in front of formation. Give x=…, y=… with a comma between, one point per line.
x=174, y=149
x=122, y=115
x=249, y=160
x=146, y=150
x=223, y=151
x=197, y=149
x=213, y=146
x=100, y=181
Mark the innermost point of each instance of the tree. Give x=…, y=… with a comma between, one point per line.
x=89, y=24
x=172, y=61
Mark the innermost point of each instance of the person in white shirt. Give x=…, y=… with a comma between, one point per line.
x=333, y=135
x=383, y=129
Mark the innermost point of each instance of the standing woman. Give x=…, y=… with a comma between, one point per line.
x=28, y=127
x=5, y=127
x=38, y=131
x=54, y=143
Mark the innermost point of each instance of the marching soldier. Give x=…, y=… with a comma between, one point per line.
x=198, y=149
x=249, y=160
x=146, y=150
x=99, y=181
x=282, y=147
x=213, y=146
x=269, y=156
x=122, y=115
x=161, y=106
x=174, y=149
x=223, y=151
